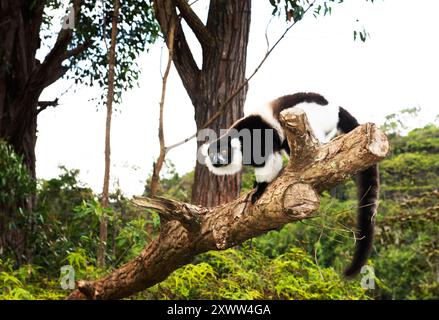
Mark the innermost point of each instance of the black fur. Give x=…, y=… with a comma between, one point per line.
x=259, y=190
x=291, y=100
x=367, y=181
x=346, y=122
x=368, y=189
x=248, y=147
x=255, y=122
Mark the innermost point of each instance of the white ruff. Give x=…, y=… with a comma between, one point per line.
x=270, y=170
x=232, y=168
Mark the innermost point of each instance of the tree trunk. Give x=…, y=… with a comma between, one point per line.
x=19, y=40
x=223, y=72
x=224, y=41
x=22, y=79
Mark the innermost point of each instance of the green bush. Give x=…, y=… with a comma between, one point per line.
x=247, y=273
x=26, y=283
x=15, y=182
x=302, y=260
x=411, y=169
x=16, y=197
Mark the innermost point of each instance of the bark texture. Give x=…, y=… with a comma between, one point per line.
x=22, y=79
x=224, y=41
x=188, y=230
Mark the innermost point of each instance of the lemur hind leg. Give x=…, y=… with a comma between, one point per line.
x=260, y=188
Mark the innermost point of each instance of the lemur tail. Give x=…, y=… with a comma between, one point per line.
x=367, y=183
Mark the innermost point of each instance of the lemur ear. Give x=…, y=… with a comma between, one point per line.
x=205, y=149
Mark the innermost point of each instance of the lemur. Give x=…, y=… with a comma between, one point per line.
x=258, y=140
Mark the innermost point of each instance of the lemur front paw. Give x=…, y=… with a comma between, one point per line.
x=260, y=188
x=254, y=198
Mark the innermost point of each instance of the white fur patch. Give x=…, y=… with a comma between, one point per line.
x=204, y=149
x=271, y=170
x=236, y=144
x=330, y=135
x=232, y=168
x=323, y=119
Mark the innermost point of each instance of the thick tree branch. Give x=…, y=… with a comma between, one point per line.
x=35, y=23
x=170, y=210
x=201, y=32
x=43, y=105
x=188, y=230
x=52, y=69
x=183, y=59
x=57, y=53
x=78, y=50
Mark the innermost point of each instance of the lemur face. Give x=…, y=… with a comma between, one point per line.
x=224, y=155
x=220, y=152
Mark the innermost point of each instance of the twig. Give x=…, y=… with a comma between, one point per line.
x=157, y=166
x=107, y=152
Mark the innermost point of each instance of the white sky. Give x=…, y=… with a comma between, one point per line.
x=396, y=68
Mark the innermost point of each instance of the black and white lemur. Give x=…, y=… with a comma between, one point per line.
x=227, y=154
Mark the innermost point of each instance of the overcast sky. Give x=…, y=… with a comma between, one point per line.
x=396, y=68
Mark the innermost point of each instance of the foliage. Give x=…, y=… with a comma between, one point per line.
x=172, y=184
x=25, y=283
x=421, y=140
x=68, y=219
x=15, y=183
x=411, y=169
x=246, y=273
x=303, y=260
x=397, y=123
x=295, y=9
x=414, y=167
x=59, y=228
x=16, y=190
x=138, y=28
